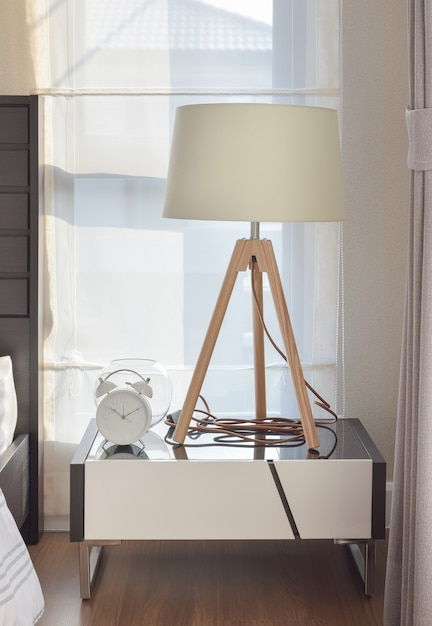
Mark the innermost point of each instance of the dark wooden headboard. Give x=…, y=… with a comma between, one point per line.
x=19, y=285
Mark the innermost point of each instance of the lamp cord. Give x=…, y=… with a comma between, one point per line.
x=321, y=403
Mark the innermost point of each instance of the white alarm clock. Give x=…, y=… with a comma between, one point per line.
x=131, y=396
x=123, y=416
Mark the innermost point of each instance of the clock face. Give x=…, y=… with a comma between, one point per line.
x=123, y=416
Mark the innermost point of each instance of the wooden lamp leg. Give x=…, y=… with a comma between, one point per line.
x=258, y=342
x=300, y=389
x=238, y=259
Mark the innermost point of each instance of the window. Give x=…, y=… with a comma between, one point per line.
x=121, y=281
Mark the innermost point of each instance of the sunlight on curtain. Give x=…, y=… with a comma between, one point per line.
x=120, y=280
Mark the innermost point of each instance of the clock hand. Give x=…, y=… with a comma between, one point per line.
x=120, y=414
x=130, y=412
x=115, y=411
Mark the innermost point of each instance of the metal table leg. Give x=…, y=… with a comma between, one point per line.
x=364, y=555
x=90, y=554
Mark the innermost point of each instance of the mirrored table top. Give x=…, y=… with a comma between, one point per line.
x=345, y=439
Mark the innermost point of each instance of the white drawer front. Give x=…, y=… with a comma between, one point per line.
x=329, y=499
x=182, y=500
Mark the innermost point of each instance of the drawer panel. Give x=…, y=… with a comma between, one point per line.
x=137, y=499
x=14, y=168
x=13, y=296
x=14, y=210
x=14, y=124
x=329, y=499
x=13, y=254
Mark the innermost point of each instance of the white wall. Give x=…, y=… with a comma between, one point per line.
x=375, y=87
x=374, y=140
x=16, y=75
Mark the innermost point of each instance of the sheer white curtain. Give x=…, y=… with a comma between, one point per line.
x=120, y=281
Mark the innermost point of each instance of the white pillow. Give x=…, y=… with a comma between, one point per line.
x=8, y=403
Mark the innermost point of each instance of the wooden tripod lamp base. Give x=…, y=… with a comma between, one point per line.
x=246, y=252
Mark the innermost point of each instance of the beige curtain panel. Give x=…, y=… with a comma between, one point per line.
x=408, y=597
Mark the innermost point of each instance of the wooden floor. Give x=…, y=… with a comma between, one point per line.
x=199, y=583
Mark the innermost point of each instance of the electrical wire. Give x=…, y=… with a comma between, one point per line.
x=321, y=403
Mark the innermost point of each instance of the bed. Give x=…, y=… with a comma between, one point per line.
x=21, y=598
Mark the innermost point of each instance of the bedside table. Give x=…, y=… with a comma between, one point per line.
x=210, y=491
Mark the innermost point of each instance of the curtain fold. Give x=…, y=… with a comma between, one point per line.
x=408, y=598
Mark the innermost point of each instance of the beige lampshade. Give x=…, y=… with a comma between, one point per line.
x=255, y=163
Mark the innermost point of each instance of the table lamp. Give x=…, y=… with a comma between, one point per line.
x=255, y=163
